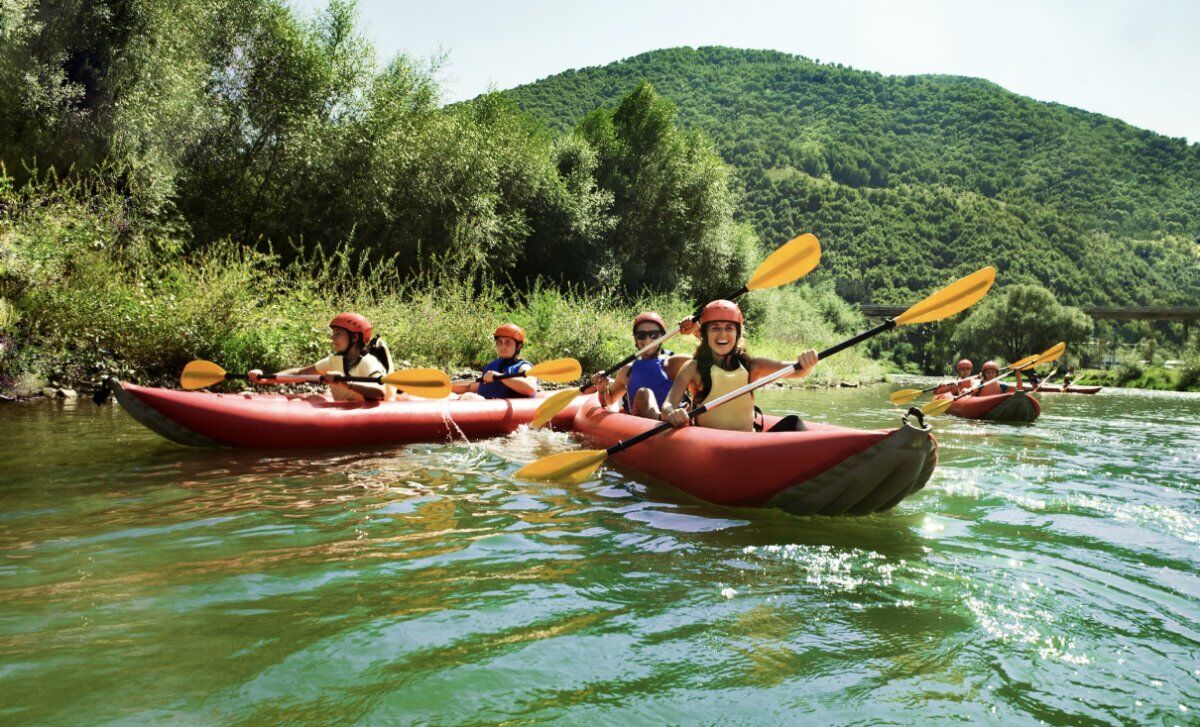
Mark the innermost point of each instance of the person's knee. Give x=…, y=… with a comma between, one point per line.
x=645, y=404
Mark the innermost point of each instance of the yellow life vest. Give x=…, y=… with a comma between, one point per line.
x=736, y=415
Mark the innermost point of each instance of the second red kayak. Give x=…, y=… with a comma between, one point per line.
x=1014, y=406
x=274, y=421
x=825, y=470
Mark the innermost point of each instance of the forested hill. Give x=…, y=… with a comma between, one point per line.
x=908, y=178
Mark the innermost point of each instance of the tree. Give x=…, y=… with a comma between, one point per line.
x=1018, y=321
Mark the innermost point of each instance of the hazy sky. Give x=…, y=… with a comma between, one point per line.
x=1137, y=61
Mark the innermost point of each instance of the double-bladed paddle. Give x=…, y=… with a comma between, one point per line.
x=426, y=383
x=904, y=396
x=939, y=406
x=575, y=467
x=559, y=370
x=792, y=261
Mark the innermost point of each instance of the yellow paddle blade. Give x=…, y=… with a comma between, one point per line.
x=1027, y=363
x=791, y=262
x=569, y=467
x=552, y=406
x=904, y=396
x=937, y=407
x=560, y=370
x=425, y=383
x=954, y=298
x=1053, y=353
x=198, y=374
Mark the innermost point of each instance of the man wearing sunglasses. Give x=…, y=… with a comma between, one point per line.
x=642, y=386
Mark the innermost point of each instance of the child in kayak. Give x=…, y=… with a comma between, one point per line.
x=642, y=386
x=352, y=339
x=721, y=364
x=509, y=339
x=991, y=387
x=963, y=368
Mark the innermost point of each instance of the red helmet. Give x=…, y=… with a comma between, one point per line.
x=354, y=323
x=990, y=366
x=721, y=310
x=512, y=330
x=965, y=362
x=649, y=317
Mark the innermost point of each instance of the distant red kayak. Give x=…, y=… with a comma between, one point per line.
x=1014, y=406
x=276, y=421
x=1058, y=389
x=826, y=470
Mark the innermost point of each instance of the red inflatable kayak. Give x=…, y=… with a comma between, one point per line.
x=275, y=421
x=1014, y=406
x=825, y=470
x=1058, y=389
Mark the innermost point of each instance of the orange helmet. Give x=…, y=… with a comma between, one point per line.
x=512, y=330
x=990, y=366
x=649, y=317
x=721, y=310
x=965, y=362
x=354, y=323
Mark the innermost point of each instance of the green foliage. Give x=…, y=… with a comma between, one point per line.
x=908, y=180
x=85, y=286
x=1018, y=321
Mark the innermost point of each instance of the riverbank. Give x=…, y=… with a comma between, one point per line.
x=1155, y=378
x=88, y=290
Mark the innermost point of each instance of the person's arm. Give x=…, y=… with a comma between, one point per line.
x=523, y=385
x=671, y=410
x=256, y=375
x=806, y=362
x=610, y=390
x=675, y=365
x=464, y=387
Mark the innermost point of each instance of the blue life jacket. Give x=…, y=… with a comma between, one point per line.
x=497, y=389
x=648, y=373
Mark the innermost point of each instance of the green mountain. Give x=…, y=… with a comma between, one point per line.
x=909, y=179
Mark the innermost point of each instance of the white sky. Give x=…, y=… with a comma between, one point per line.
x=1137, y=61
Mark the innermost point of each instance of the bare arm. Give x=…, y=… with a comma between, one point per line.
x=805, y=363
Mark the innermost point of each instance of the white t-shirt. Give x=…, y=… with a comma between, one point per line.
x=368, y=365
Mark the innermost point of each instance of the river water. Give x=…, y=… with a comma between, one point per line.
x=1047, y=572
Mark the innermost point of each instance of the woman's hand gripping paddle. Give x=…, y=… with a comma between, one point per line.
x=789, y=263
x=425, y=383
x=575, y=467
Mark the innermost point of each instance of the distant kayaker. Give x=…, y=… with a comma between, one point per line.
x=509, y=339
x=991, y=387
x=721, y=364
x=352, y=339
x=964, y=368
x=1068, y=377
x=642, y=386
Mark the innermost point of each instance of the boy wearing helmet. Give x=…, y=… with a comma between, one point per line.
x=642, y=386
x=509, y=339
x=964, y=369
x=721, y=364
x=991, y=387
x=350, y=334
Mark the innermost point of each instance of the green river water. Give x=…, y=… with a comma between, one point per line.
x=1047, y=572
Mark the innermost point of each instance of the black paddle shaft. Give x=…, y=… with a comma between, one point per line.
x=351, y=379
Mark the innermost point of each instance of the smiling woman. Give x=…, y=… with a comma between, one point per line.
x=722, y=365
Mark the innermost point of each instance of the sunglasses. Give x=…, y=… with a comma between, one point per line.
x=644, y=335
